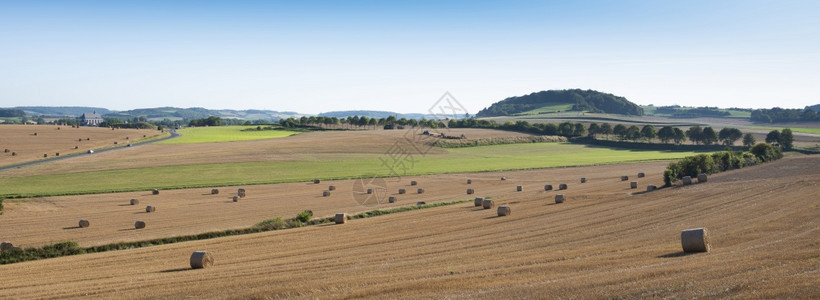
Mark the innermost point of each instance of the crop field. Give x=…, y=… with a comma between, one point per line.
x=605, y=241
x=31, y=142
x=548, y=109
x=220, y=134
x=296, y=166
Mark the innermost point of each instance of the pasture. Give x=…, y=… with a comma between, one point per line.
x=294, y=167
x=220, y=134
x=605, y=241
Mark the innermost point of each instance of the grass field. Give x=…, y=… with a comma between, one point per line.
x=332, y=165
x=548, y=109
x=794, y=129
x=220, y=134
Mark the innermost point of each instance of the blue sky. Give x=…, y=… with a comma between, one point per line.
x=318, y=56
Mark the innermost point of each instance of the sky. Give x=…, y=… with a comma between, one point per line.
x=320, y=56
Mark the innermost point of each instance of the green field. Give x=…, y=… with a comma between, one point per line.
x=326, y=166
x=220, y=134
x=794, y=129
x=548, y=109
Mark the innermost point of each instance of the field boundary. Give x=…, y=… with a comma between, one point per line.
x=69, y=248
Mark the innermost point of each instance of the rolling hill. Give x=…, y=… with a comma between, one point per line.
x=562, y=100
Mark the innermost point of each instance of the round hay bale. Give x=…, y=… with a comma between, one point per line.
x=84, y=223
x=369, y=191
x=559, y=198
x=325, y=193
x=469, y=181
x=155, y=191
x=687, y=180
x=201, y=260
x=624, y=178
x=4, y=246
x=503, y=211
x=35, y=134
x=150, y=209
x=503, y=177
x=487, y=204
x=14, y=154
x=6, y=150
x=641, y=175
x=139, y=225
x=214, y=191
x=695, y=240
x=76, y=147
x=548, y=187
x=241, y=193
x=316, y=181
x=115, y=143
x=402, y=191
x=633, y=184
x=420, y=191
x=235, y=198
x=331, y=188
x=478, y=201
x=135, y=202
x=702, y=178
x=413, y=182
x=470, y=191
x=391, y=199
x=421, y=203
x=45, y=154
x=340, y=218
x=650, y=188
x=583, y=180
x=57, y=154
x=562, y=186
x=519, y=188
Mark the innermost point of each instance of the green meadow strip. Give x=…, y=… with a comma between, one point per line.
x=68, y=248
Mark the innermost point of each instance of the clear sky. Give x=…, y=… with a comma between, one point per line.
x=318, y=56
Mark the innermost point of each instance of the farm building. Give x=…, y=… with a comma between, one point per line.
x=91, y=119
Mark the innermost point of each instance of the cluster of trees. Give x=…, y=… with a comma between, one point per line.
x=777, y=115
x=360, y=122
x=719, y=162
x=677, y=111
x=209, y=121
x=11, y=113
x=581, y=100
x=785, y=138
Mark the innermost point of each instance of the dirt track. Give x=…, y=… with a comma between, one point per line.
x=603, y=242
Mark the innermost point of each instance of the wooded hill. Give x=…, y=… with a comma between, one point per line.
x=574, y=100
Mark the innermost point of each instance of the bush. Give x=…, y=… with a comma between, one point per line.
x=709, y=164
x=272, y=224
x=766, y=152
x=304, y=216
x=1, y=206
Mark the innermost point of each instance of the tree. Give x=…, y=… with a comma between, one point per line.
x=620, y=131
x=578, y=129
x=594, y=129
x=680, y=136
x=729, y=135
x=666, y=133
x=633, y=133
x=786, y=139
x=565, y=129
x=773, y=136
x=709, y=136
x=749, y=140
x=649, y=132
x=695, y=134
x=606, y=129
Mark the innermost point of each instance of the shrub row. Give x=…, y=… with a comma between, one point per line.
x=719, y=162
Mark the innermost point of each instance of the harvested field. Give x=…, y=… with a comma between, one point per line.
x=29, y=147
x=38, y=221
x=605, y=243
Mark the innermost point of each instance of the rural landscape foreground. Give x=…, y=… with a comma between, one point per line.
x=605, y=240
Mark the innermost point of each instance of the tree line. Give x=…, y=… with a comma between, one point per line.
x=777, y=115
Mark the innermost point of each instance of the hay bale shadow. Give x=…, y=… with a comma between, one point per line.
x=127, y=229
x=175, y=270
x=676, y=254
x=124, y=205
x=72, y=227
x=492, y=217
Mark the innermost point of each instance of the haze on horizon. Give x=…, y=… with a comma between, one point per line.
x=319, y=56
